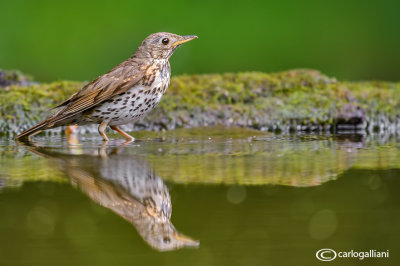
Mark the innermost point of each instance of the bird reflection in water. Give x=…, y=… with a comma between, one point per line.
x=128, y=186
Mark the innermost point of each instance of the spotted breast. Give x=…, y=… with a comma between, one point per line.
x=137, y=101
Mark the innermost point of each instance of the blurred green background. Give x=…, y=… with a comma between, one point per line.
x=79, y=40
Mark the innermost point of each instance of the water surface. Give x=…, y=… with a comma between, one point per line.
x=209, y=196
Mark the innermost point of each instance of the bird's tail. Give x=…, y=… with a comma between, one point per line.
x=58, y=119
x=33, y=130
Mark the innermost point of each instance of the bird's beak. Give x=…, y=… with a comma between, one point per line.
x=186, y=38
x=187, y=241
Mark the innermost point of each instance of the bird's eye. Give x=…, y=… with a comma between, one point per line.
x=165, y=41
x=166, y=240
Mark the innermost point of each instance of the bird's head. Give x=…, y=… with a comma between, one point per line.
x=162, y=235
x=161, y=45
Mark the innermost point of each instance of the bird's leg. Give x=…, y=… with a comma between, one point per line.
x=103, y=150
x=119, y=149
x=71, y=133
x=102, y=129
x=123, y=133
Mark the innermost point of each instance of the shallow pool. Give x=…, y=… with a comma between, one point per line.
x=199, y=197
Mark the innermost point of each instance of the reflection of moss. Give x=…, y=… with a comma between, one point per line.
x=218, y=156
x=290, y=100
x=14, y=172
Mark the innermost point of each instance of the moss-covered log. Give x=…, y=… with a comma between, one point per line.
x=284, y=101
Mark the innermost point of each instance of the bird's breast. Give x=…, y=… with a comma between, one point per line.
x=156, y=73
x=135, y=102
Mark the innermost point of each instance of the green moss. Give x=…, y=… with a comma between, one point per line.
x=297, y=99
x=9, y=77
x=23, y=106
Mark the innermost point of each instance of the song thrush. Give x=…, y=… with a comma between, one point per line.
x=127, y=185
x=126, y=93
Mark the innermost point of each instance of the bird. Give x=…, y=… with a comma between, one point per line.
x=128, y=186
x=123, y=95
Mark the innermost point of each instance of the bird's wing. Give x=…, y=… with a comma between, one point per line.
x=116, y=81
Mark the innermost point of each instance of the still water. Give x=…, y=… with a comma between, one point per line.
x=199, y=197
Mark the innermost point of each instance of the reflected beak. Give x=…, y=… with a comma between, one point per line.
x=188, y=242
x=186, y=38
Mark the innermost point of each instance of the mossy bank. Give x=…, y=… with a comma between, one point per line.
x=285, y=101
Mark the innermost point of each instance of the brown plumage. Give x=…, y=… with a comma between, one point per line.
x=128, y=186
x=124, y=94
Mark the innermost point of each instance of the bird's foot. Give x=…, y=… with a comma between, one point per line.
x=102, y=130
x=128, y=137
